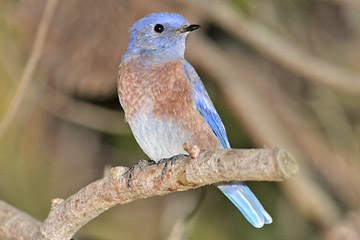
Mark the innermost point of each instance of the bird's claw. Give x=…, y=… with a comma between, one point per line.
x=171, y=160
x=140, y=164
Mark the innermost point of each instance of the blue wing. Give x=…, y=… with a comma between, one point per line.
x=239, y=194
x=205, y=106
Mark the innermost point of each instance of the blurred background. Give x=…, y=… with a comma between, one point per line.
x=283, y=74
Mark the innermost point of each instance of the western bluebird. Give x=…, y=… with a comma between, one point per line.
x=166, y=104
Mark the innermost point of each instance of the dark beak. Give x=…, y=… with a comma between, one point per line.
x=190, y=28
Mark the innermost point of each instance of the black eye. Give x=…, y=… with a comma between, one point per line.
x=159, y=28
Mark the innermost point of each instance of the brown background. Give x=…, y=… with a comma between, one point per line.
x=280, y=73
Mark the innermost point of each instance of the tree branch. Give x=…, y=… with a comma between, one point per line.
x=279, y=49
x=203, y=168
x=30, y=66
x=15, y=224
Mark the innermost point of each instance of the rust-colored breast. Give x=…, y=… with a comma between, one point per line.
x=163, y=91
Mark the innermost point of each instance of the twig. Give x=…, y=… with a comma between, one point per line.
x=30, y=65
x=345, y=229
x=15, y=224
x=351, y=4
x=85, y=114
x=278, y=49
x=67, y=216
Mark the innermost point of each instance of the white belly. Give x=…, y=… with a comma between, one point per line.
x=159, y=138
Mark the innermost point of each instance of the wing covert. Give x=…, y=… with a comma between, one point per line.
x=205, y=106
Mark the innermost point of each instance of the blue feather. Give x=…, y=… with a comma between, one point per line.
x=205, y=106
x=240, y=194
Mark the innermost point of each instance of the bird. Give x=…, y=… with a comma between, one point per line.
x=166, y=103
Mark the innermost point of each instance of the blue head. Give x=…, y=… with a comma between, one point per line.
x=161, y=35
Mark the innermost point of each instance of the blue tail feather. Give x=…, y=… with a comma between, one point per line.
x=245, y=200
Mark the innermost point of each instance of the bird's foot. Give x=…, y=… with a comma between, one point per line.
x=140, y=164
x=170, y=160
